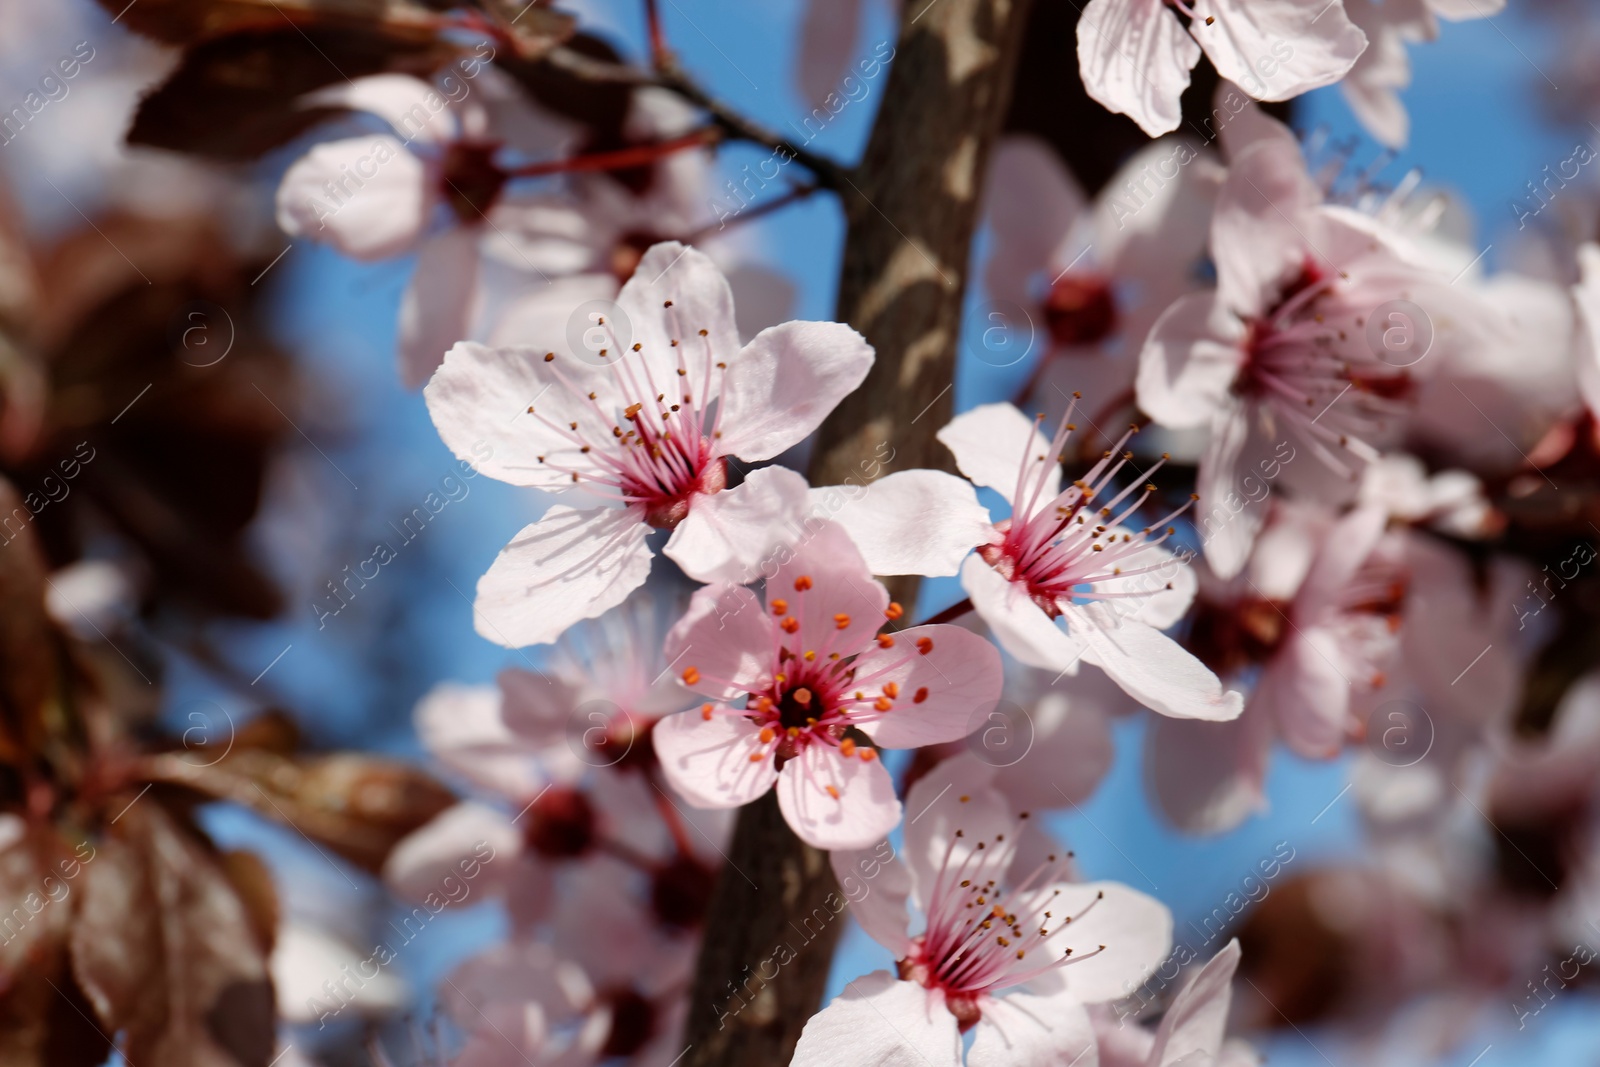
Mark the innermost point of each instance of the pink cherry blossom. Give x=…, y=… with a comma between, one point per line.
x=1135, y=55
x=787, y=679
x=643, y=435
x=1281, y=352
x=1011, y=950
x=1192, y=1031
x=1074, y=555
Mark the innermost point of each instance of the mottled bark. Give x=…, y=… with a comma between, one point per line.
x=911, y=208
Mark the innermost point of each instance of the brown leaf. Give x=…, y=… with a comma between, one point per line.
x=187, y=21
x=253, y=882
x=235, y=97
x=164, y=948
x=359, y=806
x=27, y=653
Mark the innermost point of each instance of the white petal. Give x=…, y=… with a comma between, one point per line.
x=1135, y=60
x=1020, y=625
x=1208, y=777
x=461, y=725
x=728, y=535
x=992, y=442
x=1258, y=229
x=381, y=210
x=569, y=566
x=910, y=522
x=1189, y=362
x=701, y=300
x=1227, y=520
x=708, y=760
x=1168, y=585
x=864, y=811
x=785, y=382
x=1136, y=930
x=1277, y=49
x=466, y=837
x=540, y=317
x=958, y=794
x=1150, y=666
x=439, y=304
x=881, y=1021
x=1033, y=1030
x=878, y=886
x=416, y=110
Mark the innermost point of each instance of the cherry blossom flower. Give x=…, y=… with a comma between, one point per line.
x=1135, y=55
x=1072, y=555
x=787, y=681
x=1094, y=276
x=1011, y=951
x=643, y=435
x=1281, y=350
x=377, y=196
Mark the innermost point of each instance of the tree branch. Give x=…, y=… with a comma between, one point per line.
x=911, y=208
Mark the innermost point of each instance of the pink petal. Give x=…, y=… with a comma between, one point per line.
x=479, y=399
x=383, y=216
x=1167, y=585
x=845, y=605
x=785, y=382
x=1247, y=41
x=958, y=794
x=958, y=683
x=864, y=811
x=1197, y=1021
x=701, y=300
x=830, y=31
x=541, y=315
x=1228, y=519
x=880, y=1021
x=1030, y=203
x=1032, y=1030
x=1189, y=362
x=708, y=760
x=878, y=886
x=910, y=522
x=1021, y=627
x=1151, y=667
x=729, y=535
x=1135, y=60
x=727, y=639
x=1064, y=731
x=1308, y=692
x=436, y=858
x=462, y=727
x=1208, y=777
x=992, y=442
x=416, y=110
x=1136, y=930
x=1257, y=229
x=569, y=566
x=439, y=304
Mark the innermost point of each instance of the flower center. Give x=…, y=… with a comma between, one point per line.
x=471, y=180
x=633, y=1021
x=1080, y=309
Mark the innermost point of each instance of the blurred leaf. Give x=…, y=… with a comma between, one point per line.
x=165, y=949
x=234, y=98
x=253, y=882
x=27, y=654
x=187, y=21
x=359, y=806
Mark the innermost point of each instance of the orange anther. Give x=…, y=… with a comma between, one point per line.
x=882, y=704
x=841, y=621
x=894, y=611
x=767, y=735
x=705, y=712
x=791, y=624
x=691, y=675
x=921, y=695
x=868, y=755
x=833, y=791
x=885, y=641
x=891, y=689
x=802, y=696
x=847, y=747
x=780, y=607
x=802, y=583
x=924, y=645
x=756, y=757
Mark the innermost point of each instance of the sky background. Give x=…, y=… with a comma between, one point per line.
x=1477, y=130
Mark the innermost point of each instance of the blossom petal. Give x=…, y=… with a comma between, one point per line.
x=726, y=638
x=878, y=885
x=507, y=410
x=1244, y=39
x=1151, y=667
x=700, y=300
x=1189, y=362
x=864, y=810
x=382, y=217
x=958, y=796
x=880, y=1021
x=1136, y=930
x=728, y=535
x=1197, y=1021
x=416, y=110
x=439, y=304
x=1263, y=209
x=462, y=726
x=1168, y=584
x=465, y=837
x=909, y=522
x=708, y=760
x=844, y=604
x=1135, y=60
x=944, y=694
x=993, y=441
x=785, y=382
x=1020, y=625
x=1308, y=693
x=569, y=566
x=1033, y=1030
x=1030, y=203
x=1229, y=523
x=1208, y=777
